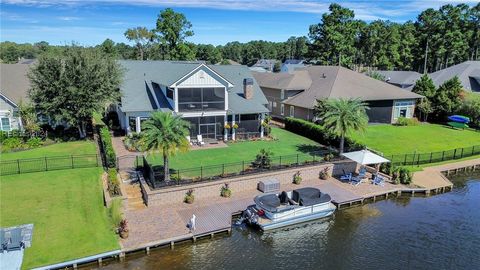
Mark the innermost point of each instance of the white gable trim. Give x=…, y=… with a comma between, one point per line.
x=176, y=83
x=9, y=100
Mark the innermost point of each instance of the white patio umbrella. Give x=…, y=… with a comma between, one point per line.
x=365, y=157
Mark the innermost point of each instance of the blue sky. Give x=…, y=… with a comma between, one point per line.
x=214, y=21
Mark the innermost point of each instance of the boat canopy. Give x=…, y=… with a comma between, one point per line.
x=309, y=196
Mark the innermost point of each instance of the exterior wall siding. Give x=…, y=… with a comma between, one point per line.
x=6, y=111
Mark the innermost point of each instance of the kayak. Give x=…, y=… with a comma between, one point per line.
x=457, y=125
x=459, y=119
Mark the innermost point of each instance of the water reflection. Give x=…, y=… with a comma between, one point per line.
x=437, y=232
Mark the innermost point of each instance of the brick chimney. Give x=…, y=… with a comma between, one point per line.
x=248, y=88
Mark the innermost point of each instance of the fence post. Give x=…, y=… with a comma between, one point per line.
x=297, y=160
x=473, y=150
x=280, y=162
x=443, y=155
x=454, y=153
x=201, y=173
x=431, y=153
x=18, y=165
x=461, y=155
x=418, y=159
x=405, y=160
x=178, y=175
x=46, y=164
x=72, y=162
x=223, y=169
x=243, y=165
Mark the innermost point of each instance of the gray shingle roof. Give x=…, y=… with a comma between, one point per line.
x=332, y=82
x=14, y=83
x=467, y=72
x=406, y=79
x=139, y=76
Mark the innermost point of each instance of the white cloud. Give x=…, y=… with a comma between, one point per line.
x=366, y=10
x=68, y=18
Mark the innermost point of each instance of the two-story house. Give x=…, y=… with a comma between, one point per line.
x=208, y=96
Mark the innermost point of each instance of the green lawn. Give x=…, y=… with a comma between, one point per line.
x=66, y=208
x=424, y=138
x=57, y=149
x=287, y=143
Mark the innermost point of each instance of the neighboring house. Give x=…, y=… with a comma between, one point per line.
x=14, y=85
x=291, y=65
x=295, y=94
x=266, y=64
x=468, y=72
x=402, y=79
x=258, y=69
x=207, y=96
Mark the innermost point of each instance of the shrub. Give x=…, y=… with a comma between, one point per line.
x=297, y=178
x=189, y=197
x=403, y=121
x=11, y=143
x=319, y=134
x=225, y=191
x=401, y=175
x=328, y=157
x=106, y=139
x=263, y=159
x=113, y=183
x=133, y=142
x=34, y=142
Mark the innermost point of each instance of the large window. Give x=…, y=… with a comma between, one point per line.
x=201, y=99
x=5, y=124
x=404, y=109
x=282, y=109
x=292, y=111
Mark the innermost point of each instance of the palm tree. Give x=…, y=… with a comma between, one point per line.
x=342, y=116
x=167, y=133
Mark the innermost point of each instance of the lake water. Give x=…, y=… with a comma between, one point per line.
x=438, y=232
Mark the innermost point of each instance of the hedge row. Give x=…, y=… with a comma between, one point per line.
x=319, y=134
x=106, y=139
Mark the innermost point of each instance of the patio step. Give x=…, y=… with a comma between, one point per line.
x=135, y=203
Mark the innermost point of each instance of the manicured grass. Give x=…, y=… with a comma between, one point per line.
x=57, y=149
x=66, y=208
x=287, y=144
x=423, y=138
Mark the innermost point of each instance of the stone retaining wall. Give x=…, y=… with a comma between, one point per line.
x=176, y=194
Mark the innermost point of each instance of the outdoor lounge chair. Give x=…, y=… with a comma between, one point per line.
x=378, y=180
x=346, y=177
x=355, y=181
x=362, y=173
x=200, y=140
x=189, y=140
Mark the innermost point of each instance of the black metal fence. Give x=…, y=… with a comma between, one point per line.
x=426, y=158
x=17, y=166
x=155, y=175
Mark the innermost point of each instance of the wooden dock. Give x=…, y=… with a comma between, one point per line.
x=156, y=226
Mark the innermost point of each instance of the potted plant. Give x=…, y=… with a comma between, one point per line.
x=323, y=174
x=227, y=126
x=225, y=191
x=297, y=178
x=235, y=126
x=123, y=229
x=189, y=197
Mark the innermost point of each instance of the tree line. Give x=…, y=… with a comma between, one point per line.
x=437, y=39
